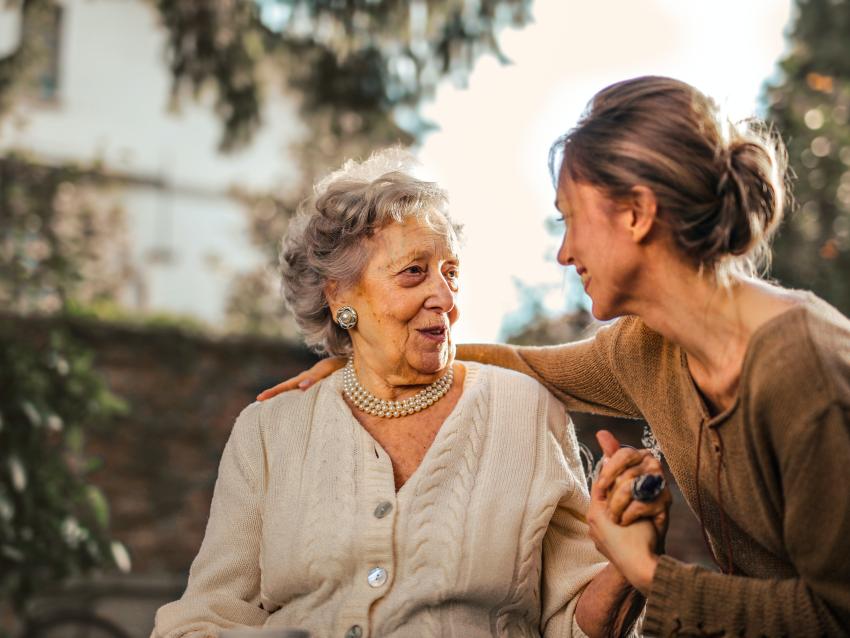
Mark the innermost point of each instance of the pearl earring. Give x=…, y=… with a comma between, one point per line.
x=346, y=317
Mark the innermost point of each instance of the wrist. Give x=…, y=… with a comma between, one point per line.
x=643, y=574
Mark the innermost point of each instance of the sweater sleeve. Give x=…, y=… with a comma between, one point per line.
x=686, y=599
x=224, y=580
x=570, y=560
x=582, y=374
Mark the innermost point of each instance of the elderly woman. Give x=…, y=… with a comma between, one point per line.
x=407, y=494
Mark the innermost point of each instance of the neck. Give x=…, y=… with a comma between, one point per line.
x=711, y=322
x=708, y=320
x=393, y=385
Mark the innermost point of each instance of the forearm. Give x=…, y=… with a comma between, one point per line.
x=609, y=605
x=494, y=354
x=579, y=374
x=694, y=599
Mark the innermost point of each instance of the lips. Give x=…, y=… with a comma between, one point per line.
x=434, y=333
x=585, y=277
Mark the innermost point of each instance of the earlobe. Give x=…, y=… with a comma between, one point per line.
x=644, y=208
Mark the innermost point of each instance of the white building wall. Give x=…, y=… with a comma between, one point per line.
x=113, y=107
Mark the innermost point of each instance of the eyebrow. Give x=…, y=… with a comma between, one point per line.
x=419, y=254
x=408, y=257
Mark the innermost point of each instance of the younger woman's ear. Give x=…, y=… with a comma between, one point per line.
x=644, y=212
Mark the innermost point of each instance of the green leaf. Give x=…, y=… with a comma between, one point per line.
x=99, y=505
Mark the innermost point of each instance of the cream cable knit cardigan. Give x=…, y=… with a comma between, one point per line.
x=487, y=538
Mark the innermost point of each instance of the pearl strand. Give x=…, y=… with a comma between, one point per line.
x=369, y=403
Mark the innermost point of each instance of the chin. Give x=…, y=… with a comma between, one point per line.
x=607, y=310
x=433, y=362
x=602, y=312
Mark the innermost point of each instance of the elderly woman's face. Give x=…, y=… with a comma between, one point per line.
x=405, y=301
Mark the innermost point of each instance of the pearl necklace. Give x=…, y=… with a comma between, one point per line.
x=371, y=404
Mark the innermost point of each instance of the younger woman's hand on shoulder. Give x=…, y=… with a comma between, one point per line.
x=302, y=381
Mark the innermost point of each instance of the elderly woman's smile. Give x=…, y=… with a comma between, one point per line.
x=406, y=305
x=437, y=333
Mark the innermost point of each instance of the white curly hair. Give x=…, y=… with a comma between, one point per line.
x=325, y=241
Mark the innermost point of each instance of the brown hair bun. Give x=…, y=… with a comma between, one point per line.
x=719, y=186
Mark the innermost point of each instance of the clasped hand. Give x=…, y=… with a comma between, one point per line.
x=628, y=532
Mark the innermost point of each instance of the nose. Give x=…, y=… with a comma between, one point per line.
x=565, y=257
x=441, y=296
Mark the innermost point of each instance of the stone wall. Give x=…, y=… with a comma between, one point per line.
x=160, y=460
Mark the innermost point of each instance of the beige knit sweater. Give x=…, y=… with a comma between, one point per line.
x=487, y=538
x=771, y=484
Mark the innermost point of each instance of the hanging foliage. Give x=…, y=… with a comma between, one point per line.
x=364, y=60
x=53, y=524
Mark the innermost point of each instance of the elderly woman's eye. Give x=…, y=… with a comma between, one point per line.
x=413, y=270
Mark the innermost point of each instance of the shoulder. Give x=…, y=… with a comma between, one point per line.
x=270, y=419
x=490, y=376
x=509, y=388
x=631, y=336
x=804, y=353
x=643, y=360
x=515, y=397
x=631, y=345
x=285, y=403
x=828, y=334
x=511, y=391
x=796, y=375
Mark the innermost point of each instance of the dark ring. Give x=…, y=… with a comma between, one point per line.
x=648, y=487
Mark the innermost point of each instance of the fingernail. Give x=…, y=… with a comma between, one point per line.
x=306, y=383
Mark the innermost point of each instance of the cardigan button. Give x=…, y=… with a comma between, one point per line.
x=383, y=509
x=355, y=631
x=377, y=576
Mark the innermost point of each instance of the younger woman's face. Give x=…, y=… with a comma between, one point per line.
x=598, y=244
x=406, y=302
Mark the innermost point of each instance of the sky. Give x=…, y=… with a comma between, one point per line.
x=494, y=135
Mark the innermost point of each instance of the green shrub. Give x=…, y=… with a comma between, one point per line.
x=53, y=524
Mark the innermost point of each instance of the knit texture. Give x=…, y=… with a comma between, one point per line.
x=777, y=460
x=486, y=538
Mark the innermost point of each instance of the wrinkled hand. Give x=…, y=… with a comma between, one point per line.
x=620, y=467
x=626, y=531
x=322, y=369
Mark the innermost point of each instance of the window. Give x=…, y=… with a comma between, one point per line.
x=41, y=31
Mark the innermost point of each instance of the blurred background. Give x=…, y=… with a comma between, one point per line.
x=152, y=153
